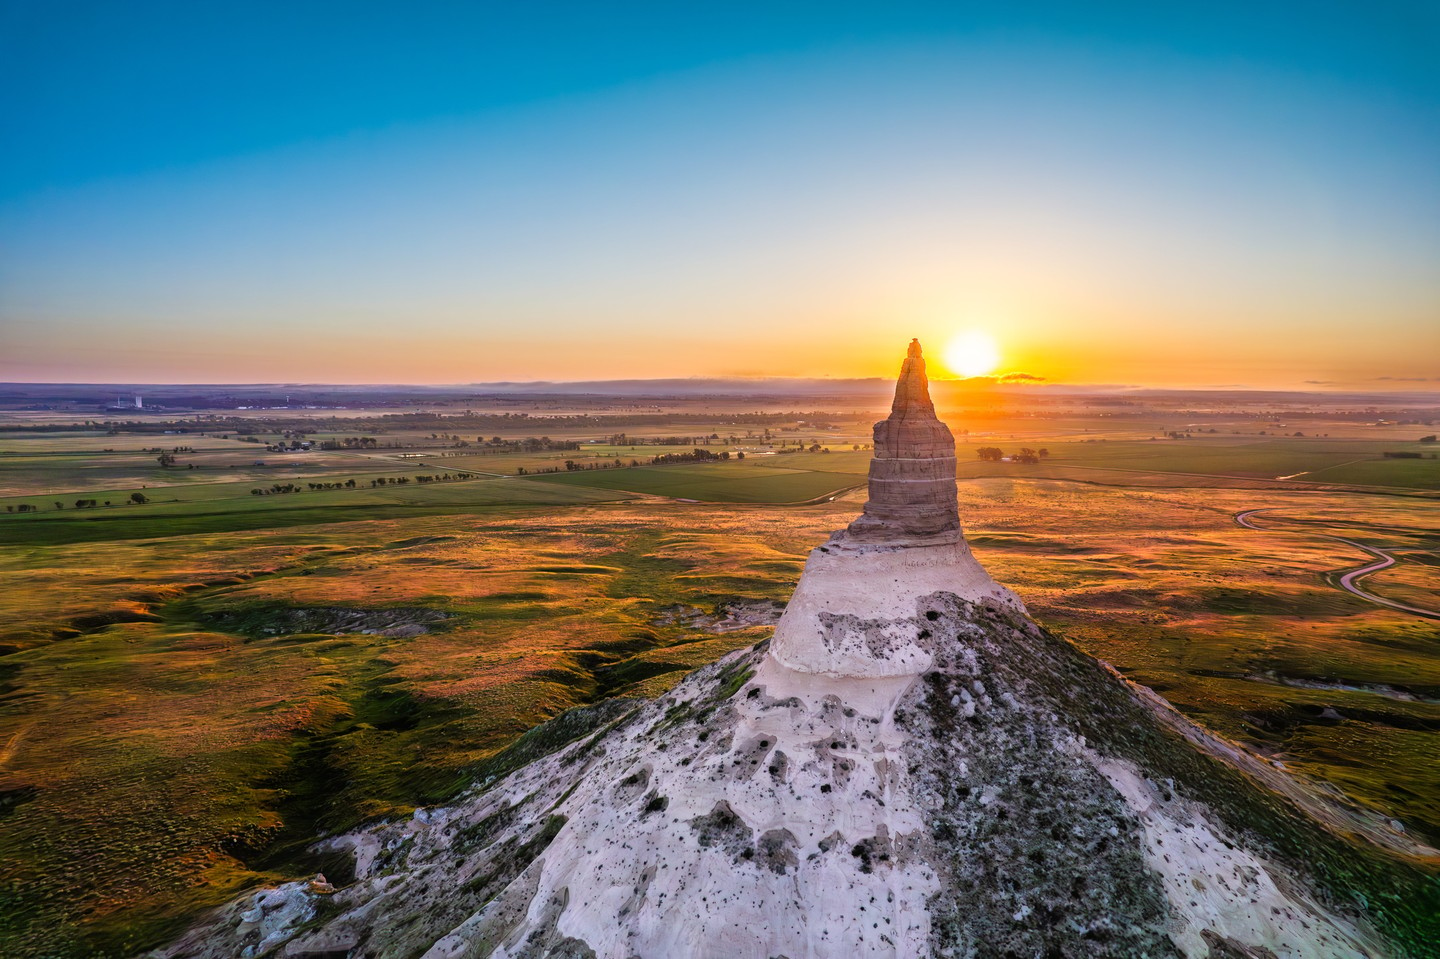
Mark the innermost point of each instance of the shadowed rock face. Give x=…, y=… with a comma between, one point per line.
x=912, y=475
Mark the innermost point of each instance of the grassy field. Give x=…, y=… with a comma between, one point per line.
x=719, y=482
x=164, y=745
x=182, y=713
x=192, y=688
x=231, y=507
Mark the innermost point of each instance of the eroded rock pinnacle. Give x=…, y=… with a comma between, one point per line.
x=912, y=475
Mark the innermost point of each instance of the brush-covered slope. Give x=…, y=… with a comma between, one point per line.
x=1018, y=798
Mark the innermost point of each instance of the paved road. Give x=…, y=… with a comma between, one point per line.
x=1383, y=560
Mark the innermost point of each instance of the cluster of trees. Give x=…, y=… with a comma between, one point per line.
x=276, y=488
x=167, y=457
x=573, y=467
x=348, y=484
x=994, y=454
x=350, y=443
x=168, y=460
x=429, y=478
x=697, y=455
x=625, y=439
x=136, y=498
x=530, y=444
x=352, y=484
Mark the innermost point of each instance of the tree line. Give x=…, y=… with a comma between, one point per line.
x=137, y=499
x=375, y=483
x=995, y=454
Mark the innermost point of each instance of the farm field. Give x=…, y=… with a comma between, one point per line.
x=721, y=482
x=234, y=509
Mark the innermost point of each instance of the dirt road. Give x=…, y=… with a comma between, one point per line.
x=1348, y=581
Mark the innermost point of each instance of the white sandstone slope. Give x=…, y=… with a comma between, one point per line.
x=910, y=767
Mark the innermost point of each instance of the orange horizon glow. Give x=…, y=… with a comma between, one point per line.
x=1041, y=353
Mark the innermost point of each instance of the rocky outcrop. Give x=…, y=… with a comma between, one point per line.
x=849, y=615
x=912, y=767
x=912, y=493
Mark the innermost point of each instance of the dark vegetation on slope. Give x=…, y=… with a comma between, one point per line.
x=1399, y=894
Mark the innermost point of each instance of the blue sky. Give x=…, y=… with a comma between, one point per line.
x=1174, y=194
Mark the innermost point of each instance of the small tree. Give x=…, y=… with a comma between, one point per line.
x=139, y=499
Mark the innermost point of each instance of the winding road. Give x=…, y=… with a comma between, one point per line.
x=1348, y=580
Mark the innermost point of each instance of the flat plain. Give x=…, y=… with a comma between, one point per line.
x=193, y=687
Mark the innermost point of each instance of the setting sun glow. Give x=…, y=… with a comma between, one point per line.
x=972, y=353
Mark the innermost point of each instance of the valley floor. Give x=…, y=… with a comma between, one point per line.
x=182, y=712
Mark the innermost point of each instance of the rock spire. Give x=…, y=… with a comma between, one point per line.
x=912, y=475
x=906, y=545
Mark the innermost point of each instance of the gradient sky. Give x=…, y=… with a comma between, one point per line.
x=1149, y=193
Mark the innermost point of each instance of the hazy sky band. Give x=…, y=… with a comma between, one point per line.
x=455, y=194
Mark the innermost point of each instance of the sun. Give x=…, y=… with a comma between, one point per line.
x=972, y=353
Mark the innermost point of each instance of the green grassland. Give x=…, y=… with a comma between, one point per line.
x=231, y=507
x=95, y=472
x=1264, y=457
x=717, y=482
